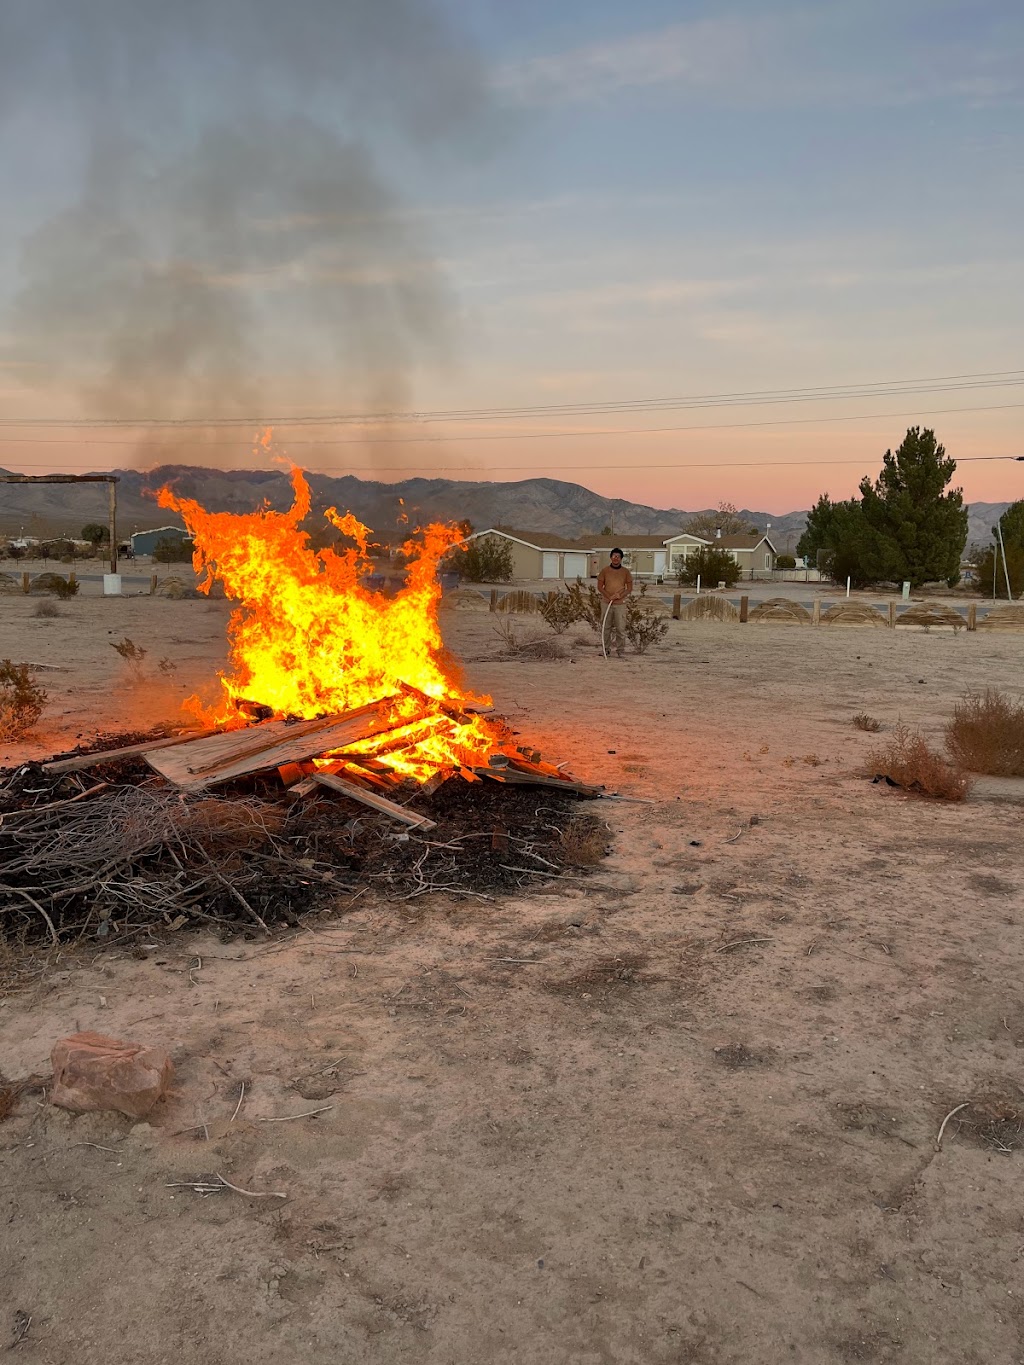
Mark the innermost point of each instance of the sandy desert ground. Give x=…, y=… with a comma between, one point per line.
x=681, y=1110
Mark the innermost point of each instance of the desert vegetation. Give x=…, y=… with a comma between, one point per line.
x=906, y=761
x=986, y=734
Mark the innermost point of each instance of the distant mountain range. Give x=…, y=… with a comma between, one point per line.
x=564, y=509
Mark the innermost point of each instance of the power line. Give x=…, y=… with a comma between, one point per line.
x=539, y=435
x=743, y=398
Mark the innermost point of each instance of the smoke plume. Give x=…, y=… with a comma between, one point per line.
x=229, y=240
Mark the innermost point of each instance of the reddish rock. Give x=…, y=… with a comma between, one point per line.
x=91, y=1071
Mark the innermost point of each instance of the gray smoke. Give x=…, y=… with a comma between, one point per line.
x=229, y=232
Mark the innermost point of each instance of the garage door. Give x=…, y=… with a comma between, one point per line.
x=576, y=566
x=549, y=565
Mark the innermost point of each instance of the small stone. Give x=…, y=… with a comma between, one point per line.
x=93, y=1072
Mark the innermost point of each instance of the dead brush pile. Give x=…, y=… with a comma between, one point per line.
x=516, y=646
x=986, y=734
x=906, y=761
x=115, y=859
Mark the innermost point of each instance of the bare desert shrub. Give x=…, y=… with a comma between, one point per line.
x=133, y=655
x=643, y=627
x=21, y=700
x=986, y=734
x=47, y=611
x=865, y=722
x=509, y=637
x=560, y=611
x=587, y=604
x=515, y=646
x=585, y=841
x=542, y=648
x=906, y=761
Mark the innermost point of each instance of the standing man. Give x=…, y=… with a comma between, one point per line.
x=615, y=584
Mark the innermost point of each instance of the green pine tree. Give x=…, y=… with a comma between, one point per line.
x=916, y=530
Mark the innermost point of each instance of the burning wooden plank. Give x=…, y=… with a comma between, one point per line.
x=237, y=753
x=336, y=782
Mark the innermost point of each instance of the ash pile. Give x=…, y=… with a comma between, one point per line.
x=254, y=829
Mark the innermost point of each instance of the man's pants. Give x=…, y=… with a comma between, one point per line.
x=615, y=628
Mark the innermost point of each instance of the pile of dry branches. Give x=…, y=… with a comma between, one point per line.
x=113, y=859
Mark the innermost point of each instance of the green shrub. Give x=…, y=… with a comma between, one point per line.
x=643, y=627
x=785, y=562
x=486, y=559
x=587, y=604
x=712, y=565
x=173, y=551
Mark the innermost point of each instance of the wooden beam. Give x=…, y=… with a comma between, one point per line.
x=336, y=783
x=513, y=777
x=82, y=761
x=236, y=753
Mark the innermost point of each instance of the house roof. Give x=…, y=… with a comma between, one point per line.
x=159, y=530
x=624, y=542
x=745, y=540
x=536, y=540
x=687, y=535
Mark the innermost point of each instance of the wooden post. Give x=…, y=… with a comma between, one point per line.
x=744, y=608
x=72, y=578
x=494, y=599
x=972, y=616
x=677, y=606
x=113, y=526
x=892, y=615
x=24, y=582
x=816, y=612
x=152, y=584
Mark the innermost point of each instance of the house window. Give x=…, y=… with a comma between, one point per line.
x=767, y=560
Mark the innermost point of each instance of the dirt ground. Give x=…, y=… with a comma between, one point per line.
x=681, y=1110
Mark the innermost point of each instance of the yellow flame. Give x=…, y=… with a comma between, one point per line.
x=309, y=638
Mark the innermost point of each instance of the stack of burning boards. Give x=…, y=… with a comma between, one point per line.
x=367, y=754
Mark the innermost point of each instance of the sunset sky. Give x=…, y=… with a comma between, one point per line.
x=736, y=208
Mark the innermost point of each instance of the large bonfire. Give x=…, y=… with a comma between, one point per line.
x=310, y=638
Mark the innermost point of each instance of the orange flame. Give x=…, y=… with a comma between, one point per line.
x=309, y=638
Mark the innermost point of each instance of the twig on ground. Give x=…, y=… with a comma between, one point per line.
x=522, y=961
x=742, y=1283
x=22, y=1322
x=96, y=1145
x=742, y=943
x=252, y=1194
x=737, y=835
x=942, y=1128
x=308, y=1114
x=241, y=1097
x=208, y=1187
